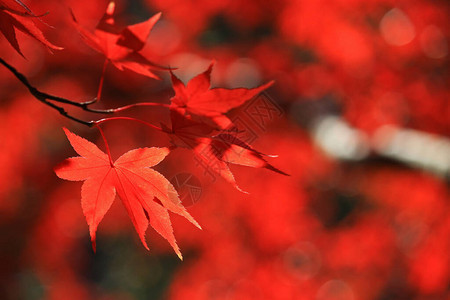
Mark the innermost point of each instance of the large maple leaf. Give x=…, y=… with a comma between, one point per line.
x=14, y=15
x=136, y=184
x=215, y=150
x=121, y=46
x=209, y=105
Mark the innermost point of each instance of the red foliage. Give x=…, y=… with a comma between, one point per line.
x=120, y=46
x=135, y=183
x=373, y=226
x=197, y=101
x=14, y=15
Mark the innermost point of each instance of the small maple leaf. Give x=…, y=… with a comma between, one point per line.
x=16, y=15
x=201, y=103
x=121, y=46
x=215, y=150
x=136, y=184
x=185, y=132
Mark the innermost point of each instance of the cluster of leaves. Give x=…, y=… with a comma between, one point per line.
x=198, y=122
x=15, y=15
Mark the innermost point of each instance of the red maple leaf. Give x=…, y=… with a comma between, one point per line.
x=201, y=103
x=185, y=131
x=215, y=150
x=16, y=15
x=121, y=46
x=136, y=184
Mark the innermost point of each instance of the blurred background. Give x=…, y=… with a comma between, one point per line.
x=359, y=117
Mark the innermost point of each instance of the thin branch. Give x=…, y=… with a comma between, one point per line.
x=46, y=98
x=64, y=113
x=43, y=97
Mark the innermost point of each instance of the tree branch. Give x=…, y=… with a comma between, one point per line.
x=45, y=98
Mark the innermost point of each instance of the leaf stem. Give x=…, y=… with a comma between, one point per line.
x=106, y=144
x=139, y=104
x=102, y=79
x=98, y=122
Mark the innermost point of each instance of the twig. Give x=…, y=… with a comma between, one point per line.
x=46, y=98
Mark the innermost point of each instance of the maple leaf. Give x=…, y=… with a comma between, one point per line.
x=215, y=150
x=16, y=15
x=121, y=46
x=185, y=131
x=209, y=105
x=136, y=184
